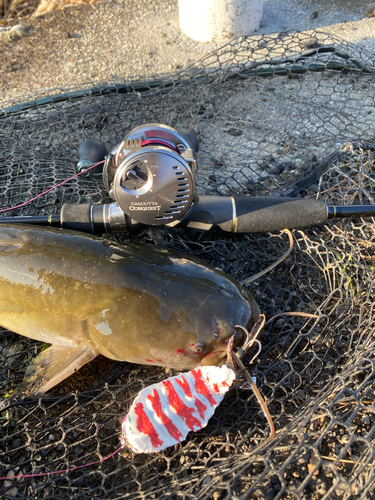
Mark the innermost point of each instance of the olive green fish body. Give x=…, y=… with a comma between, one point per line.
x=88, y=296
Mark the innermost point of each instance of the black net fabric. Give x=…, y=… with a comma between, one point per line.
x=286, y=114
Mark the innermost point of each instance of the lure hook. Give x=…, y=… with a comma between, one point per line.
x=234, y=358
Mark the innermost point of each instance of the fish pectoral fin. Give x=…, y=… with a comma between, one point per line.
x=54, y=365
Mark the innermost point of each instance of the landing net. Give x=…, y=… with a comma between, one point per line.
x=285, y=114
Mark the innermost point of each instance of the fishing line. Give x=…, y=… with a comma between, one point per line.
x=51, y=189
x=276, y=263
x=65, y=470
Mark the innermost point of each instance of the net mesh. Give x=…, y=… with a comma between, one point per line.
x=286, y=114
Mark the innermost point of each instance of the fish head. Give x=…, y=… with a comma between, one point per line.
x=217, y=322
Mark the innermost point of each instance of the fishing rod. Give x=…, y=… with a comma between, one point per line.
x=150, y=176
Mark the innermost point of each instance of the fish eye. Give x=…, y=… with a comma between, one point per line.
x=198, y=348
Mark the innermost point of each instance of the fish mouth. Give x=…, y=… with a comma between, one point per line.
x=214, y=358
x=219, y=356
x=240, y=342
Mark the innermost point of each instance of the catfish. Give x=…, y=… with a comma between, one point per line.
x=87, y=295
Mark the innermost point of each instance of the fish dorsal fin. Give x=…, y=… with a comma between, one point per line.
x=8, y=240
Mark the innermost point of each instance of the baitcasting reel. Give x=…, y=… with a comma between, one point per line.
x=150, y=176
x=151, y=173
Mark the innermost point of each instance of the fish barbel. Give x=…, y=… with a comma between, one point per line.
x=129, y=302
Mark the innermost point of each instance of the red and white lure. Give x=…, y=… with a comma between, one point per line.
x=164, y=413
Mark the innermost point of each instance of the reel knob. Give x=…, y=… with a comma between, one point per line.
x=90, y=152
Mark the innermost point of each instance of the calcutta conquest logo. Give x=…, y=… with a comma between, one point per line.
x=144, y=206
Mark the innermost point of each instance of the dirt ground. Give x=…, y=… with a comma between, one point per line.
x=112, y=40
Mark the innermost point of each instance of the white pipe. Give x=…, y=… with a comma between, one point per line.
x=207, y=20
